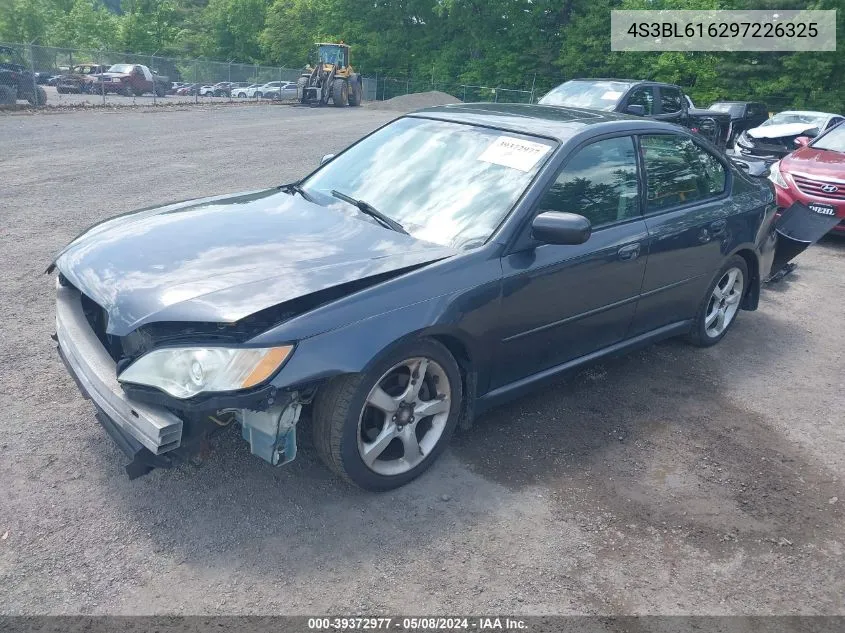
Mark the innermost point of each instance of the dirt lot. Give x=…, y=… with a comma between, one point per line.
x=674, y=480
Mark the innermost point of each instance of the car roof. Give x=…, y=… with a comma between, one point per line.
x=556, y=122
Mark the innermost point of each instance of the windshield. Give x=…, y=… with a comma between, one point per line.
x=446, y=183
x=594, y=95
x=734, y=109
x=833, y=141
x=121, y=68
x=809, y=118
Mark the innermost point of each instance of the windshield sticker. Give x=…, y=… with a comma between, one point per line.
x=611, y=95
x=515, y=153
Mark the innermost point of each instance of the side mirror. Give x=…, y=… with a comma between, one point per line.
x=326, y=158
x=637, y=110
x=802, y=141
x=556, y=227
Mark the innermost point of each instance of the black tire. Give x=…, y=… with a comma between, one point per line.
x=160, y=91
x=8, y=95
x=258, y=95
x=698, y=334
x=127, y=91
x=340, y=93
x=355, y=91
x=60, y=90
x=339, y=405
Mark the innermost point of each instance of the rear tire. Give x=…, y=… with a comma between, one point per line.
x=398, y=447
x=340, y=93
x=355, y=91
x=721, y=304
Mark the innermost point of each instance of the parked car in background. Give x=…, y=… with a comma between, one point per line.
x=188, y=89
x=237, y=85
x=16, y=82
x=775, y=138
x=276, y=90
x=814, y=175
x=745, y=115
x=244, y=91
x=220, y=89
x=130, y=80
x=80, y=78
x=395, y=291
x=42, y=77
x=651, y=99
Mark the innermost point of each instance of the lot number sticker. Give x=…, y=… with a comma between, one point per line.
x=515, y=153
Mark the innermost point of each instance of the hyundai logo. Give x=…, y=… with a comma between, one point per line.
x=830, y=188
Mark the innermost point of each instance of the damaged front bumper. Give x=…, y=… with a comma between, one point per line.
x=152, y=434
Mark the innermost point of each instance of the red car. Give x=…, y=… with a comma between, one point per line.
x=815, y=176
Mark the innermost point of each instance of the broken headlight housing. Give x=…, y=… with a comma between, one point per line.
x=184, y=372
x=776, y=176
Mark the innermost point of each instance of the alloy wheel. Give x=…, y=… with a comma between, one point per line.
x=404, y=416
x=724, y=302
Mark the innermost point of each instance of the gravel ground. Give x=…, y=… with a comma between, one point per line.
x=674, y=480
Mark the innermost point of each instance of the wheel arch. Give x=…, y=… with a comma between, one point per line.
x=752, y=293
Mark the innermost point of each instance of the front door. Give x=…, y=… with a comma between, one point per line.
x=561, y=302
x=688, y=225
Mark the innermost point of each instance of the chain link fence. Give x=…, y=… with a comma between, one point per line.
x=75, y=77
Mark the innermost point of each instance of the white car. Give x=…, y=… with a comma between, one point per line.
x=246, y=92
x=207, y=91
x=775, y=137
x=276, y=90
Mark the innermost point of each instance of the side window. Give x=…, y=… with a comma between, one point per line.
x=670, y=100
x=678, y=171
x=834, y=121
x=644, y=96
x=599, y=182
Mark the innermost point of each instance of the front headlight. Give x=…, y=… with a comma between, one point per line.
x=186, y=371
x=776, y=176
x=744, y=140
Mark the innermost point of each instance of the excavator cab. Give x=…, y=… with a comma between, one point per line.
x=331, y=78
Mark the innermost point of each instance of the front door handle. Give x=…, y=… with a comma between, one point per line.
x=718, y=227
x=631, y=251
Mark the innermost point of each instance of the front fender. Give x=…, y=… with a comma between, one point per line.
x=467, y=316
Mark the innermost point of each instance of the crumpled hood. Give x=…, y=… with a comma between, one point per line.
x=783, y=129
x=221, y=259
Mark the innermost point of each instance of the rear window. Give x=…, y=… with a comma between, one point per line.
x=734, y=109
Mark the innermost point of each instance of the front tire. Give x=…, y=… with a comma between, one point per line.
x=384, y=427
x=340, y=93
x=721, y=303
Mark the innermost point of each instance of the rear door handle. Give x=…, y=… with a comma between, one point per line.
x=631, y=251
x=718, y=227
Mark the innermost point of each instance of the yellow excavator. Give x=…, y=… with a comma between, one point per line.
x=331, y=78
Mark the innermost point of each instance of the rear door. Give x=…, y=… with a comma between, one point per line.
x=560, y=302
x=687, y=219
